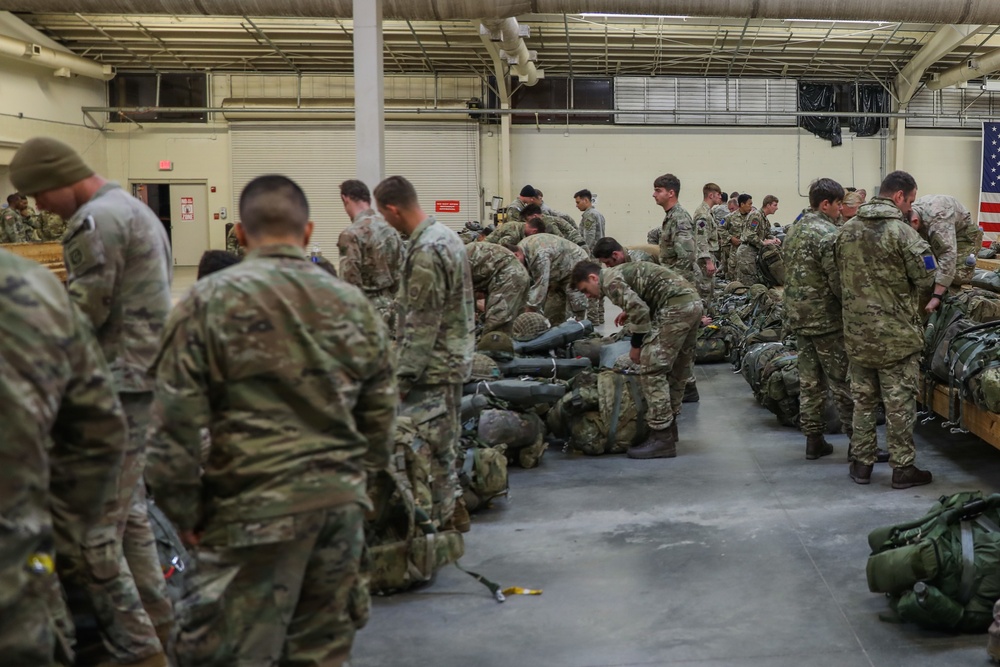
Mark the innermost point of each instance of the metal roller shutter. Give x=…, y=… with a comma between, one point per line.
x=442, y=162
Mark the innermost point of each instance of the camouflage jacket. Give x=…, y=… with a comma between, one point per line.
x=437, y=309
x=706, y=231
x=493, y=266
x=592, y=228
x=52, y=226
x=509, y=232
x=64, y=433
x=119, y=269
x=233, y=243
x=514, y=210
x=947, y=226
x=642, y=290
x=546, y=210
x=884, y=266
x=371, y=254
x=743, y=227
x=289, y=370
x=559, y=227
x=653, y=235
x=13, y=228
x=812, y=281
x=636, y=255
x=550, y=260
x=755, y=229
x=678, y=248
x=719, y=213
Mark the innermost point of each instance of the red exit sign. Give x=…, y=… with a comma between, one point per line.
x=447, y=206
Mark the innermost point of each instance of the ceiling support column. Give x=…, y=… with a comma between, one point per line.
x=369, y=96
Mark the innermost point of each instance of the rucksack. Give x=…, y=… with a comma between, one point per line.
x=713, y=345
x=771, y=370
x=980, y=305
x=987, y=280
x=174, y=557
x=941, y=571
x=771, y=266
x=482, y=472
x=603, y=413
x=974, y=368
x=522, y=434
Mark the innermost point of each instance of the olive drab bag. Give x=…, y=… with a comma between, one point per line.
x=712, y=346
x=987, y=280
x=973, y=364
x=521, y=433
x=771, y=370
x=404, y=547
x=941, y=571
x=603, y=412
x=482, y=472
x=174, y=558
x=771, y=265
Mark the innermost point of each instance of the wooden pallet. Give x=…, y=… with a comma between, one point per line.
x=48, y=254
x=988, y=264
x=984, y=424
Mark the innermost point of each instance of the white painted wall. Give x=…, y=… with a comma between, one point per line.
x=199, y=152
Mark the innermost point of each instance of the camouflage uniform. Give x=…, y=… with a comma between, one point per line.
x=289, y=369
x=497, y=272
x=754, y=230
x=653, y=236
x=435, y=338
x=550, y=261
x=549, y=211
x=371, y=257
x=665, y=310
x=233, y=244
x=592, y=229
x=883, y=265
x=947, y=226
x=33, y=221
x=508, y=233
x=719, y=213
x=706, y=236
x=636, y=255
x=53, y=226
x=514, y=210
x=13, y=228
x=560, y=227
x=118, y=273
x=678, y=248
x=813, y=313
x=64, y=438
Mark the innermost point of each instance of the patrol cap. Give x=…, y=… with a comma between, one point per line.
x=44, y=163
x=526, y=191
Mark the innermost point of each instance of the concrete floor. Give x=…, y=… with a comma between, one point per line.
x=738, y=552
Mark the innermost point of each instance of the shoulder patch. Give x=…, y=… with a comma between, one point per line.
x=85, y=250
x=929, y=263
x=753, y=223
x=701, y=223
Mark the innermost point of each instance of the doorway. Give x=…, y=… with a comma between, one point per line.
x=183, y=210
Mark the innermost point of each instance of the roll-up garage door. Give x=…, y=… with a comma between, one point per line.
x=441, y=160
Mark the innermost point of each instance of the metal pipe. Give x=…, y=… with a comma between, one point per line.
x=970, y=69
x=60, y=61
x=919, y=11
x=515, y=51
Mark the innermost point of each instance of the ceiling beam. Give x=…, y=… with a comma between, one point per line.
x=943, y=42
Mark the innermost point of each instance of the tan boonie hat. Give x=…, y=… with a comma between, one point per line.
x=43, y=163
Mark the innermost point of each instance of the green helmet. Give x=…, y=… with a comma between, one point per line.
x=735, y=287
x=497, y=345
x=484, y=368
x=529, y=326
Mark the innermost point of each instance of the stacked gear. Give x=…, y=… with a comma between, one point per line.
x=941, y=571
x=528, y=326
x=496, y=345
x=482, y=469
x=523, y=435
x=771, y=370
x=771, y=266
x=484, y=368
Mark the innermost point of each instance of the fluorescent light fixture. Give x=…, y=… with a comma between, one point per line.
x=833, y=21
x=991, y=85
x=633, y=16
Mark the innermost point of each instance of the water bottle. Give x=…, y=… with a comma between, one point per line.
x=970, y=260
x=315, y=252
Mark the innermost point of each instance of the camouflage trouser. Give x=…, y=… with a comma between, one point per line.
x=504, y=302
x=705, y=283
x=896, y=385
x=27, y=629
x=435, y=411
x=281, y=591
x=823, y=364
x=595, y=311
x=561, y=303
x=743, y=265
x=385, y=304
x=667, y=358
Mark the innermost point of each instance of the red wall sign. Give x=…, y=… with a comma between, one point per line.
x=447, y=206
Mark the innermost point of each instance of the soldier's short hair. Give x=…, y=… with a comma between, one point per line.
x=668, y=182
x=537, y=224
x=853, y=199
x=396, y=191
x=605, y=247
x=709, y=188
x=734, y=195
x=215, y=260
x=356, y=190
x=16, y=197
x=769, y=199
x=538, y=193
x=584, y=194
x=825, y=189
x=530, y=210
x=273, y=205
x=583, y=270
x=897, y=181
x=743, y=199
x=851, y=189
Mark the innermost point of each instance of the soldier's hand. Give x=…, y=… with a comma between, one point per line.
x=633, y=354
x=705, y=320
x=621, y=319
x=933, y=304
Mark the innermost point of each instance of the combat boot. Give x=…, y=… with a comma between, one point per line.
x=817, y=446
x=690, y=393
x=659, y=445
x=673, y=431
x=911, y=475
x=861, y=473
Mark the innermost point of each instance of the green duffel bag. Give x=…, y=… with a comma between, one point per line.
x=482, y=473
x=754, y=362
x=780, y=388
x=712, y=346
x=987, y=280
x=771, y=265
x=973, y=361
x=980, y=305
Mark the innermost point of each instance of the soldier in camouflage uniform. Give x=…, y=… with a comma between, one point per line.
x=813, y=313
x=52, y=226
x=947, y=226
x=550, y=261
x=118, y=266
x=732, y=232
x=13, y=227
x=298, y=404
x=371, y=252
x=706, y=235
x=233, y=243
x=435, y=336
x=550, y=212
x=527, y=196
x=550, y=225
x=509, y=233
x=64, y=438
x=592, y=229
x=719, y=214
x=498, y=274
x=610, y=252
x=755, y=233
x=884, y=265
x=663, y=311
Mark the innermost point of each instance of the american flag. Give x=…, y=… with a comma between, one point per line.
x=989, y=191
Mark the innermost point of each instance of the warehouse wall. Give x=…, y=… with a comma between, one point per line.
x=946, y=163
x=200, y=153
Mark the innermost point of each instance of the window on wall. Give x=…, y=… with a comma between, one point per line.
x=562, y=94
x=183, y=89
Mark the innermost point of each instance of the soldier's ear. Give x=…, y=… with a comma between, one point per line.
x=241, y=234
x=309, y=232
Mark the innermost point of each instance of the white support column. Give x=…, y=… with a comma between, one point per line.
x=899, y=145
x=369, y=96
x=503, y=93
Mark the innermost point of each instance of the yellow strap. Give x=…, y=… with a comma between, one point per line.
x=517, y=590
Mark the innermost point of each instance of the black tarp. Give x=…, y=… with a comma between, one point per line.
x=820, y=97
x=870, y=98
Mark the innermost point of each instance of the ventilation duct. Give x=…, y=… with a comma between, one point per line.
x=919, y=11
x=62, y=63
x=970, y=69
x=511, y=37
x=287, y=108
